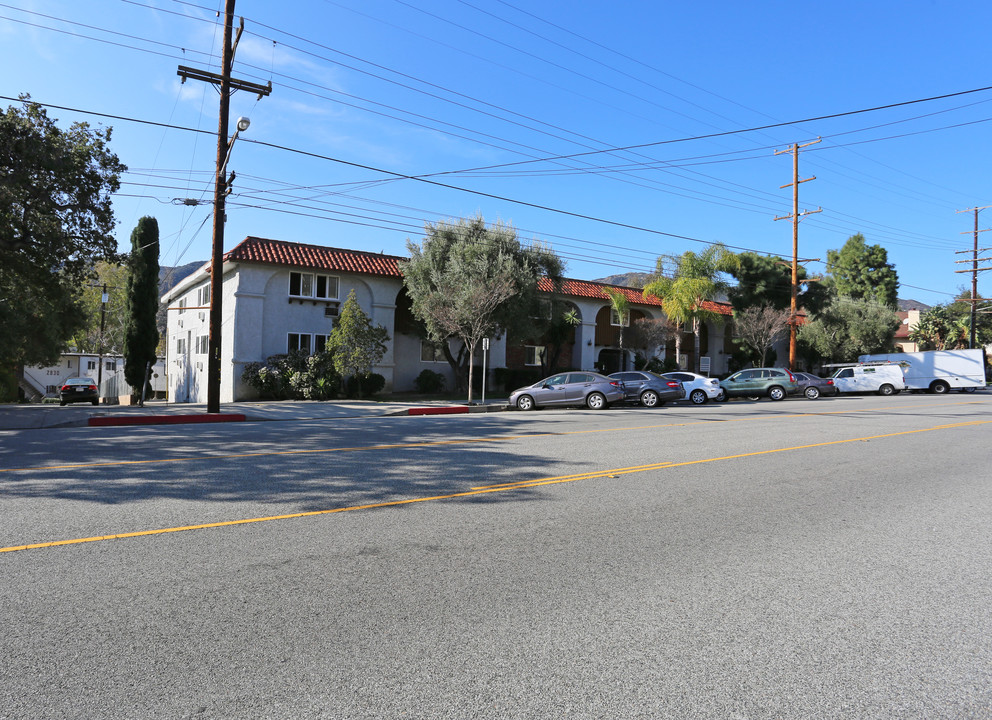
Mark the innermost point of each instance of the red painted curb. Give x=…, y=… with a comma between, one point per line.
x=438, y=410
x=164, y=419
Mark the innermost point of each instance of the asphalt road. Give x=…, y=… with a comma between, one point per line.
x=825, y=559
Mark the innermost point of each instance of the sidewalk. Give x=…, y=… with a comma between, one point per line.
x=155, y=412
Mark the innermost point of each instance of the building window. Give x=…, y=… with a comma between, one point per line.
x=203, y=296
x=182, y=306
x=307, y=342
x=110, y=365
x=429, y=352
x=202, y=343
x=180, y=346
x=533, y=354
x=91, y=364
x=615, y=319
x=310, y=285
x=52, y=390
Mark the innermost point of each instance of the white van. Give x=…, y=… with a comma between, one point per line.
x=884, y=379
x=938, y=371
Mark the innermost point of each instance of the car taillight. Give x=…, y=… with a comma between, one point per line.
x=791, y=376
x=92, y=387
x=65, y=388
x=830, y=382
x=672, y=384
x=615, y=383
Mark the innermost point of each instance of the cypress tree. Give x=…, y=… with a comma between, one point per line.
x=141, y=332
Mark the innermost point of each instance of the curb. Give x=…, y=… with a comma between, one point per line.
x=452, y=410
x=112, y=420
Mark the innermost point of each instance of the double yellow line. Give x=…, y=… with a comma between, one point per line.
x=479, y=490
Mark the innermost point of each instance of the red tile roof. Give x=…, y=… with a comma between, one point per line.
x=594, y=290
x=317, y=257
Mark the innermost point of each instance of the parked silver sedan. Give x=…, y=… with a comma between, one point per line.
x=699, y=388
x=590, y=389
x=647, y=388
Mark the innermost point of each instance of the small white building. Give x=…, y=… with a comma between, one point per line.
x=282, y=296
x=44, y=381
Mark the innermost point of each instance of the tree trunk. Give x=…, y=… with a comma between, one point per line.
x=471, y=364
x=695, y=344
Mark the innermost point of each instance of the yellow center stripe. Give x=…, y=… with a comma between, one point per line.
x=504, y=487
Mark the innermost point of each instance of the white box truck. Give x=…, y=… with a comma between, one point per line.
x=938, y=371
x=881, y=378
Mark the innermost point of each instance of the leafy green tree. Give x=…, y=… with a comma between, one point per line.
x=863, y=272
x=940, y=329
x=767, y=280
x=469, y=281
x=141, y=291
x=960, y=310
x=556, y=328
x=847, y=328
x=621, y=306
x=112, y=317
x=56, y=222
x=684, y=282
x=356, y=344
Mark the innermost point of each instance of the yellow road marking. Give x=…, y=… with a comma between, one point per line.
x=523, y=484
x=431, y=443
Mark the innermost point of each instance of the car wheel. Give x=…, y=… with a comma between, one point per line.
x=968, y=389
x=753, y=397
x=812, y=393
x=939, y=387
x=525, y=402
x=722, y=397
x=776, y=393
x=95, y=402
x=697, y=397
x=61, y=403
x=886, y=390
x=596, y=401
x=649, y=399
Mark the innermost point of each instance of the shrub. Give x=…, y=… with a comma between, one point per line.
x=364, y=385
x=293, y=376
x=429, y=381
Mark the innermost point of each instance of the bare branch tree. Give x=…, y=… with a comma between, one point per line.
x=646, y=336
x=760, y=327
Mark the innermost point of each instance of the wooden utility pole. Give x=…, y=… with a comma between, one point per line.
x=221, y=189
x=796, y=216
x=974, y=269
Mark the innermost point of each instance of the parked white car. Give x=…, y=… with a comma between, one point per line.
x=698, y=388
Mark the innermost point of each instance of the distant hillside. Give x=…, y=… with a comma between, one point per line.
x=631, y=279
x=169, y=277
x=912, y=305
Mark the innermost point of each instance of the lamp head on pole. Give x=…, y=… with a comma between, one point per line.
x=243, y=123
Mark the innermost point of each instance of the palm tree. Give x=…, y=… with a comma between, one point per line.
x=621, y=306
x=690, y=280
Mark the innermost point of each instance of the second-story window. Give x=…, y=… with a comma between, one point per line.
x=311, y=285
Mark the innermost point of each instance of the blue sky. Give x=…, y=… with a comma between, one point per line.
x=515, y=111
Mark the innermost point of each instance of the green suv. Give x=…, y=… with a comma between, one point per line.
x=756, y=383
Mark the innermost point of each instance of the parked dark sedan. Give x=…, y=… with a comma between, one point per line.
x=79, y=389
x=647, y=388
x=813, y=386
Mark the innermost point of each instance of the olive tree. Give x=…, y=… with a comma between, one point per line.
x=468, y=280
